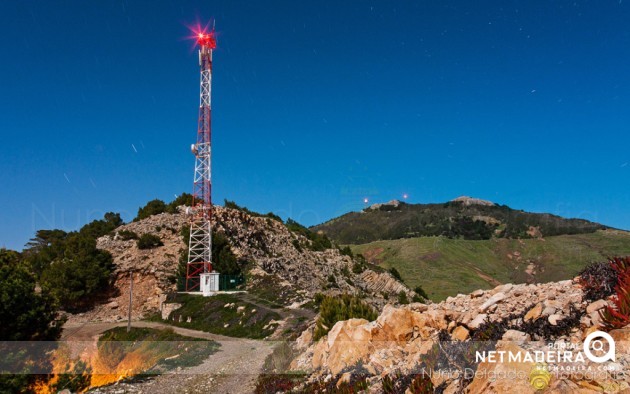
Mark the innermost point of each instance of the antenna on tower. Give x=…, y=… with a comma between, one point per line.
x=199, y=273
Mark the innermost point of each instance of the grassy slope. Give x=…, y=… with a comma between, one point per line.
x=446, y=267
x=210, y=314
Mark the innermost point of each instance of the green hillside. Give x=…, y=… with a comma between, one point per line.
x=445, y=267
x=463, y=218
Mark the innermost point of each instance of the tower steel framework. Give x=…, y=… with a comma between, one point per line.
x=200, y=242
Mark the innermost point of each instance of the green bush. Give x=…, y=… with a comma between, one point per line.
x=332, y=281
x=395, y=274
x=126, y=235
x=402, y=298
x=78, y=275
x=183, y=199
x=69, y=266
x=319, y=241
x=149, y=241
x=336, y=308
x=346, y=251
x=26, y=315
x=153, y=207
x=233, y=205
x=98, y=228
x=421, y=294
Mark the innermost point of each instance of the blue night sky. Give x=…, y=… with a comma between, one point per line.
x=316, y=105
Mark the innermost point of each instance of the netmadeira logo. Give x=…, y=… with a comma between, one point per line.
x=593, y=343
x=594, y=349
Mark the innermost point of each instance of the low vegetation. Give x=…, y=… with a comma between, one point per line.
x=318, y=241
x=126, y=235
x=155, y=207
x=146, y=352
x=598, y=280
x=618, y=315
x=233, y=205
x=445, y=267
x=149, y=241
x=223, y=314
x=336, y=308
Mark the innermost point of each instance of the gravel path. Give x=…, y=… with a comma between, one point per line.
x=232, y=370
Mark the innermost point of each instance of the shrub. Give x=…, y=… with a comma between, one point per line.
x=357, y=267
x=332, y=281
x=126, y=235
x=233, y=205
x=149, y=241
x=421, y=295
x=27, y=315
x=346, y=251
x=98, y=228
x=223, y=259
x=337, y=308
x=618, y=316
x=183, y=199
x=319, y=241
x=318, y=298
x=78, y=275
x=345, y=271
x=395, y=274
x=153, y=207
x=598, y=280
x=402, y=298
x=69, y=265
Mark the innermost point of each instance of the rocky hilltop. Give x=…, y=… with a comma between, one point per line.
x=281, y=264
x=441, y=339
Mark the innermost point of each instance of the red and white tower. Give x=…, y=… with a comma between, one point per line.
x=200, y=246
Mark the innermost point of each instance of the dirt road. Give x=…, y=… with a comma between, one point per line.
x=232, y=370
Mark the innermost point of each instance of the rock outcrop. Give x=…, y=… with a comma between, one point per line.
x=281, y=259
x=430, y=339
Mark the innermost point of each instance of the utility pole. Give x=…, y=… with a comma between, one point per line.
x=130, y=300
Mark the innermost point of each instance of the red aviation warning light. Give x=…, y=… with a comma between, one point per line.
x=207, y=40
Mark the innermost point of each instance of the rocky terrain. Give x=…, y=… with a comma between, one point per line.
x=404, y=339
x=282, y=265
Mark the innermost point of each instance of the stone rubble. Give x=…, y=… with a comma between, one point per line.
x=399, y=338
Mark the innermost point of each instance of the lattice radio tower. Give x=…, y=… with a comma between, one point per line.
x=200, y=245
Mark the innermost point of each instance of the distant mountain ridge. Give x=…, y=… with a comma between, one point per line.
x=464, y=217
